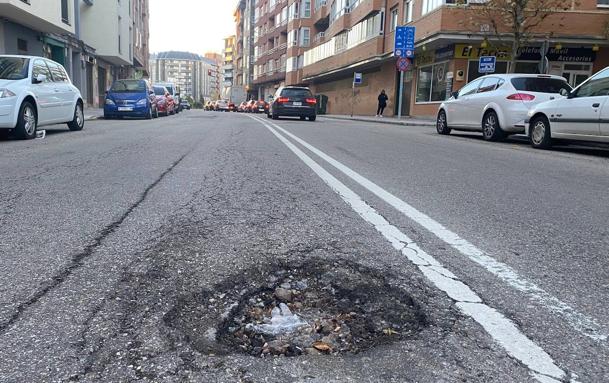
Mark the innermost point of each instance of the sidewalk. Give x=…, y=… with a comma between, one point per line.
x=93, y=114
x=405, y=121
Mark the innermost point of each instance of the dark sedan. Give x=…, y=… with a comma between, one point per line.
x=294, y=101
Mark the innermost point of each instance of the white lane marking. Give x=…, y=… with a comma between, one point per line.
x=516, y=344
x=580, y=322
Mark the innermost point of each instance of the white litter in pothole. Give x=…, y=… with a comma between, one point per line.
x=282, y=321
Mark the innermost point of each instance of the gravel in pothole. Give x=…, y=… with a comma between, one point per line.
x=322, y=309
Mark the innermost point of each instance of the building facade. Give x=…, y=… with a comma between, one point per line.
x=68, y=31
x=329, y=40
x=270, y=47
x=195, y=75
x=244, y=58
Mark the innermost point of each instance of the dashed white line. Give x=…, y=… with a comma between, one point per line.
x=501, y=329
x=580, y=322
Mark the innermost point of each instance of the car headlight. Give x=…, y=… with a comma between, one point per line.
x=109, y=102
x=142, y=102
x=5, y=93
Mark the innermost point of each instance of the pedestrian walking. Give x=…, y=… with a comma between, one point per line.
x=382, y=103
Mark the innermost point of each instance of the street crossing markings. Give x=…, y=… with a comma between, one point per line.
x=501, y=329
x=585, y=325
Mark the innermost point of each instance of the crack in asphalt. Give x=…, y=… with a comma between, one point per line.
x=77, y=260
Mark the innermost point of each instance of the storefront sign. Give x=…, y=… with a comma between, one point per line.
x=424, y=59
x=472, y=52
x=581, y=55
x=445, y=53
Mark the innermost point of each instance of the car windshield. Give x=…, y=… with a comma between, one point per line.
x=169, y=89
x=14, y=68
x=540, y=84
x=296, y=92
x=159, y=91
x=128, y=86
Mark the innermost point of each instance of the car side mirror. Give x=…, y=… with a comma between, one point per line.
x=563, y=92
x=455, y=95
x=40, y=79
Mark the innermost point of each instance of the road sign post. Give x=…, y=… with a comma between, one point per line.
x=357, y=80
x=404, y=49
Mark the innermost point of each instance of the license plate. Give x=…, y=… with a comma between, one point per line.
x=125, y=109
x=261, y=110
x=297, y=104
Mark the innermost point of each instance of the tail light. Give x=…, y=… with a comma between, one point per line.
x=283, y=100
x=311, y=101
x=521, y=97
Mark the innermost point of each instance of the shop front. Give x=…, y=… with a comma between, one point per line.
x=439, y=72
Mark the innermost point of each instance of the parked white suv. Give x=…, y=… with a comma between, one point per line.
x=34, y=92
x=583, y=115
x=498, y=104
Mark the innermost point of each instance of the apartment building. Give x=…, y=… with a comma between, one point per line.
x=95, y=41
x=244, y=58
x=270, y=46
x=329, y=40
x=141, y=34
x=194, y=74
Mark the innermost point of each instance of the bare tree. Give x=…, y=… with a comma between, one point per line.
x=515, y=22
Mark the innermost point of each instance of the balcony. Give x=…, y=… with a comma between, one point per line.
x=36, y=15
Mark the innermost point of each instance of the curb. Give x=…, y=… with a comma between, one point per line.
x=382, y=121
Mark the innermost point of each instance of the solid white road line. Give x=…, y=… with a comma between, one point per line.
x=501, y=329
x=584, y=324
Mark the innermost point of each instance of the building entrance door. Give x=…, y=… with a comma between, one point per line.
x=576, y=73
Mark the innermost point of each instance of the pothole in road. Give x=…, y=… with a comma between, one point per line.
x=319, y=308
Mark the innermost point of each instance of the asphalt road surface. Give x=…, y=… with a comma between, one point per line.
x=128, y=250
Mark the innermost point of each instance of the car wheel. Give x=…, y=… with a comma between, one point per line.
x=312, y=118
x=26, y=122
x=78, y=122
x=156, y=113
x=149, y=115
x=442, y=124
x=540, y=134
x=274, y=117
x=302, y=118
x=268, y=115
x=491, y=131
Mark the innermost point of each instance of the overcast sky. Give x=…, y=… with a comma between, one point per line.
x=196, y=26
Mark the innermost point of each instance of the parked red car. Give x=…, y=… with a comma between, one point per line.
x=242, y=107
x=249, y=107
x=164, y=101
x=231, y=107
x=260, y=107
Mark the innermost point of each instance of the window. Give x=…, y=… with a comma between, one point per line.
x=539, y=84
x=472, y=70
x=394, y=19
x=305, y=37
x=602, y=3
x=57, y=71
x=470, y=88
x=22, y=45
x=431, y=85
x=306, y=8
x=408, y=8
x=65, y=13
x=119, y=35
x=489, y=84
x=598, y=85
x=39, y=68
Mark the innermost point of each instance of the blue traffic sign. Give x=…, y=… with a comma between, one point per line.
x=404, y=42
x=357, y=78
x=487, y=64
